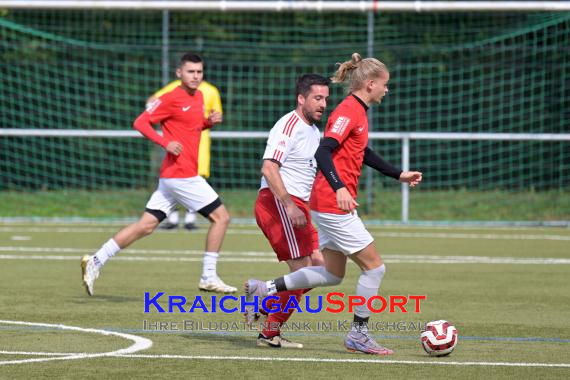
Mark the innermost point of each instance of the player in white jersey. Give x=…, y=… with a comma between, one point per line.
x=291, y=145
x=281, y=209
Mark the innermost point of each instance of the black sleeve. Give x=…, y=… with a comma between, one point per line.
x=323, y=155
x=373, y=160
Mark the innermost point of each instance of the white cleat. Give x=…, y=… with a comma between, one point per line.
x=216, y=285
x=89, y=272
x=252, y=318
x=251, y=289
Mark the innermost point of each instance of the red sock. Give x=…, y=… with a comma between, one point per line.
x=275, y=320
x=271, y=302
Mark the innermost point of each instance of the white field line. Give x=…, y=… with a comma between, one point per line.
x=34, y=353
x=143, y=344
x=139, y=343
x=87, y=229
x=395, y=258
x=135, y=258
x=130, y=250
x=251, y=225
x=419, y=259
x=421, y=235
x=438, y=235
x=338, y=360
x=310, y=360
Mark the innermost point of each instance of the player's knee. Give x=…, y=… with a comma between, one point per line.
x=225, y=218
x=221, y=216
x=146, y=229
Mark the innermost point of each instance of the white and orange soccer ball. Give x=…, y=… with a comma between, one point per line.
x=439, y=338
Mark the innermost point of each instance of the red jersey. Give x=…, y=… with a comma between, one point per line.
x=181, y=117
x=348, y=124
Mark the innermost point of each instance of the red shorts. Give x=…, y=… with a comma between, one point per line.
x=287, y=241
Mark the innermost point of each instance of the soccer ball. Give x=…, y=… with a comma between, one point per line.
x=439, y=338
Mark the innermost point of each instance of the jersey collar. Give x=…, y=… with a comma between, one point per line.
x=303, y=121
x=361, y=102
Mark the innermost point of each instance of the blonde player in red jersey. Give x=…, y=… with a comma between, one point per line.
x=181, y=116
x=342, y=234
x=282, y=207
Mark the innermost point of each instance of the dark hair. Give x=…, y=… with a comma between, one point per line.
x=304, y=83
x=190, y=57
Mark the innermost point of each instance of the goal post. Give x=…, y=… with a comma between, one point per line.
x=293, y=6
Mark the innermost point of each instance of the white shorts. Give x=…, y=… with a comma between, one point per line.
x=191, y=193
x=341, y=232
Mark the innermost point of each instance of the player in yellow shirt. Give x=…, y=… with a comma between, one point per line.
x=212, y=102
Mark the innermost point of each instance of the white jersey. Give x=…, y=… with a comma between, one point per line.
x=293, y=143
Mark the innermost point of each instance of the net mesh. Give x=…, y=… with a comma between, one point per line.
x=450, y=72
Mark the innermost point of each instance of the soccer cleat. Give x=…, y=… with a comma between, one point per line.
x=216, y=285
x=251, y=317
x=89, y=272
x=254, y=288
x=251, y=289
x=167, y=225
x=359, y=342
x=276, y=341
x=190, y=226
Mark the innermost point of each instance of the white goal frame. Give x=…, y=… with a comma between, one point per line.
x=292, y=6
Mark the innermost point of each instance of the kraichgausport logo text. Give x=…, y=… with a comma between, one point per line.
x=333, y=302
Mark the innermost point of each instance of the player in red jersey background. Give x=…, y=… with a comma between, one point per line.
x=181, y=117
x=342, y=234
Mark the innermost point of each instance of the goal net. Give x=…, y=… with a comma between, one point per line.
x=450, y=72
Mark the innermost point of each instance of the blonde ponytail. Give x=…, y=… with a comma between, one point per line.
x=345, y=68
x=357, y=71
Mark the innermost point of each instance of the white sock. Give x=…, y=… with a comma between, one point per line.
x=310, y=277
x=190, y=217
x=368, y=285
x=174, y=217
x=108, y=250
x=209, y=265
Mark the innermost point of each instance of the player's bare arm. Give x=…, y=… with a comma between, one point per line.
x=270, y=171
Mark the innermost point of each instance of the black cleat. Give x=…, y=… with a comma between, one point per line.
x=190, y=226
x=168, y=226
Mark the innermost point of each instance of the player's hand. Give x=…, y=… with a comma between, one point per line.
x=413, y=178
x=296, y=215
x=215, y=118
x=174, y=147
x=345, y=201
